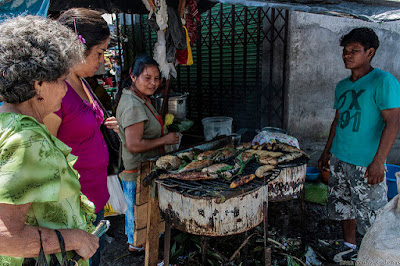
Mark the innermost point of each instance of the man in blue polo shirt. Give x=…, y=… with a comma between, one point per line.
x=362, y=133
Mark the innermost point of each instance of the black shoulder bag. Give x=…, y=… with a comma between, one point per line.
x=112, y=140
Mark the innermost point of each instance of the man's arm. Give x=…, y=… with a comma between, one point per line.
x=376, y=170
x=323, y=162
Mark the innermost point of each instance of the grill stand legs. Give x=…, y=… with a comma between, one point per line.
x=167, y=239
x=267, y=249
x=204, y=250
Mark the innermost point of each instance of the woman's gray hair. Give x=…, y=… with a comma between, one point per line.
x=34, y=49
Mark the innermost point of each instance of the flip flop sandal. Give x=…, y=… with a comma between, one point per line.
x=133, y=249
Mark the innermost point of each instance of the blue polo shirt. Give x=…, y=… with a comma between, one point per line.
x=360, y=124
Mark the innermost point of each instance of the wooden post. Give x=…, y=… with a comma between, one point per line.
x=153, y=228
x=167, y=239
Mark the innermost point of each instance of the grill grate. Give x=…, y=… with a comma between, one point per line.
x=220, y=188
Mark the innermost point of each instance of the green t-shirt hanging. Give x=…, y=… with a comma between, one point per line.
x=360, y=123
x=36, y=168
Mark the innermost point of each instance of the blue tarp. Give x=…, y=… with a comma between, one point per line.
x=12, y=8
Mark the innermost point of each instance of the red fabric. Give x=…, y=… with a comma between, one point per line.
x=192, y=19
x=182, y=56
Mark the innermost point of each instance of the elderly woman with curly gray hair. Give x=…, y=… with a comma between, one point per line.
x=41, y=207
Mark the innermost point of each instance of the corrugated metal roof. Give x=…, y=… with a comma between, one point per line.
x=369, y=10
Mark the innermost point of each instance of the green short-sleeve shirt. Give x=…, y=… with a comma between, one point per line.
x=131, y=110
x=360, y=123
x=36, y=168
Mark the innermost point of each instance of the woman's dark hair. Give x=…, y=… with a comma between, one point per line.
x=137, y=68
x=365, y=36
x=88, y=23
x=140, y=63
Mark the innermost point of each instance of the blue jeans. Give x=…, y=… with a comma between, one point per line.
x=129, y=188
x=95, y=259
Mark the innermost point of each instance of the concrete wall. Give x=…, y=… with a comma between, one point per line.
x=315, y=67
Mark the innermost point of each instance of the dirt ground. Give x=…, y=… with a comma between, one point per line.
x=284, y=227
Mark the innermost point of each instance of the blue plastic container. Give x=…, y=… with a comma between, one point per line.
x=391, y=180
x=312, y=173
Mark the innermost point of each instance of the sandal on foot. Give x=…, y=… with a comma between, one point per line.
x=134, y=249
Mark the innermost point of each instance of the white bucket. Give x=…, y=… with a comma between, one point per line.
x=216, y=126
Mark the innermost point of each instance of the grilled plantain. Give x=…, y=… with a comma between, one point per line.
x=168, y=162
x=196, y=165
x=263, y=170
x=242, y=180
x=272, y=146
x=207, y=155
x=190, y=176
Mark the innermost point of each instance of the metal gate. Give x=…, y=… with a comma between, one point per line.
x=239, y=65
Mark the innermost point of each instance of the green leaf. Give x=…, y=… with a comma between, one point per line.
x=225, y=168
x=215, y=255
x=173, y=249
x=210, y=262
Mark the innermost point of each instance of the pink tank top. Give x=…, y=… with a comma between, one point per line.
x=80, y=130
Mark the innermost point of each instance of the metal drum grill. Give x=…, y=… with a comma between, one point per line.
x=212, y=208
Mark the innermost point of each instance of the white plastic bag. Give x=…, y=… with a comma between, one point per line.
x=117, y=198
x=381, y=243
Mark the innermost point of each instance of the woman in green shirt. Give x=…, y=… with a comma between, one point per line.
x=141, y=131
x=40, y=198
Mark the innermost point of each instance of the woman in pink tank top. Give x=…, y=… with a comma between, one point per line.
x=78, y=121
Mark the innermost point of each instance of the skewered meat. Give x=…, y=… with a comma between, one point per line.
x=267, y=160
x=242, y=180
x=206, y=155
x=168, y=162
x=190, y=176
x=289, y=157
x=244, y=146
x=212, y=169
x=188, y=154
x=195, y=165
x=265, y=153
x=225, y=155
x=263, y=170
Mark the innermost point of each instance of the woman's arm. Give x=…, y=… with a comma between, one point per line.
x=20, y=240
x=135, y=142
x=52, y=122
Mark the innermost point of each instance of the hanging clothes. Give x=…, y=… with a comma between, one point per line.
x=185, y=56
x=174, y=35
x=192, y=19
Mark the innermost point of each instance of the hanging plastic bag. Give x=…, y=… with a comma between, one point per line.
x=117, y=198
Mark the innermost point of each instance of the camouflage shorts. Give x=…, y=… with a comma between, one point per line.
x=350, y=197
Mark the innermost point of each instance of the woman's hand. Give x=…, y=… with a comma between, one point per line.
x=171, y=138
x=88, y=245
x=112, y=123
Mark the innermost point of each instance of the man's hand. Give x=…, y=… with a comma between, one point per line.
x=375, y=172
x=323, y=162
